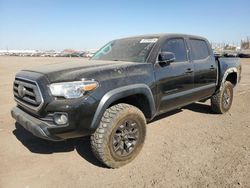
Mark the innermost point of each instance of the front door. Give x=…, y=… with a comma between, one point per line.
x=176, y=79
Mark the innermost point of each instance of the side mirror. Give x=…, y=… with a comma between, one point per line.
x=165, y=58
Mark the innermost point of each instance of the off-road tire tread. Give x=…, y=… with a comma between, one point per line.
x=216, y=100
x=99, y=140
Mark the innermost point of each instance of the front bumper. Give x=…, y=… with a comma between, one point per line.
x=36, y=126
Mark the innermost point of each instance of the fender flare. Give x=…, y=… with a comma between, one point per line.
x=120, y=93
x=227, y=72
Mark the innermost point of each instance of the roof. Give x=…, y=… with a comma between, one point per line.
x=165, y=35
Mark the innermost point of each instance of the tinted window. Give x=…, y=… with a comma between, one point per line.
x=176, y=46
x=199, y=49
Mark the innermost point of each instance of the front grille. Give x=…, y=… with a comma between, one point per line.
x=27, y=93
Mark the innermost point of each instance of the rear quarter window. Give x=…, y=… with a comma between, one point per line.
x=199, y=49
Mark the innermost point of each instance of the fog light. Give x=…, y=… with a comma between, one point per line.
x=60, y=119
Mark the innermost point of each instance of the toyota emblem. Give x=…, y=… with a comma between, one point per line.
x=21, y=91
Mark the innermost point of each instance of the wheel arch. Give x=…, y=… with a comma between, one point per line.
x=127, y=94
x=230, y=75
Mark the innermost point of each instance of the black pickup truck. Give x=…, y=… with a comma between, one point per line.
x=125, y=84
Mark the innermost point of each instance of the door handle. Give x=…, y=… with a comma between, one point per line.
x=189, y=70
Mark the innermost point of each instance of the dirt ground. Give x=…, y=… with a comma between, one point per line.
x=190, y=147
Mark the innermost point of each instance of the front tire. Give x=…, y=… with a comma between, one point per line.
x=120, y=135
x=221, y=102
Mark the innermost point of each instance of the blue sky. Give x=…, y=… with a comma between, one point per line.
x=60, y=24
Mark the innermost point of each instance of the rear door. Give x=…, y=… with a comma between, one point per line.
x=205, y=69
x=175, y=81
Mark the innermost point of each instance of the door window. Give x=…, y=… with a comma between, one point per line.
x=199, y=49
x=176, y=46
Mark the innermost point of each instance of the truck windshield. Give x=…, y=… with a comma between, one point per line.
x=130, y=49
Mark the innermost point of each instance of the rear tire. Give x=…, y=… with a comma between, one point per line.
x=120, y=135
x=221, y=102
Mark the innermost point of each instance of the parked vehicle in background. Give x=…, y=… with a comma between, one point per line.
x=244, y=53
x=127, y=83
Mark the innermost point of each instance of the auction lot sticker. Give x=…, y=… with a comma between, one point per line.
x=153, y=40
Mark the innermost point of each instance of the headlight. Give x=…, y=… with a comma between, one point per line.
x=74, y=89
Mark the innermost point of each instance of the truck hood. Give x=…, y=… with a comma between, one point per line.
x=67, y=71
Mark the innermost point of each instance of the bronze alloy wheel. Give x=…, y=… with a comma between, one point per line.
x=226, y=98
x=125, y=138
x=221, y=102
x=120, y=135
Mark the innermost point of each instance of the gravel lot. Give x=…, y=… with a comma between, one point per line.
x=190, y=147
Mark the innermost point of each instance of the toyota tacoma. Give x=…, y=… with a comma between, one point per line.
x=127, y=83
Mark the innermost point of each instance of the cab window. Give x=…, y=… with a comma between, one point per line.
x=199, y=49
x=176, y=46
